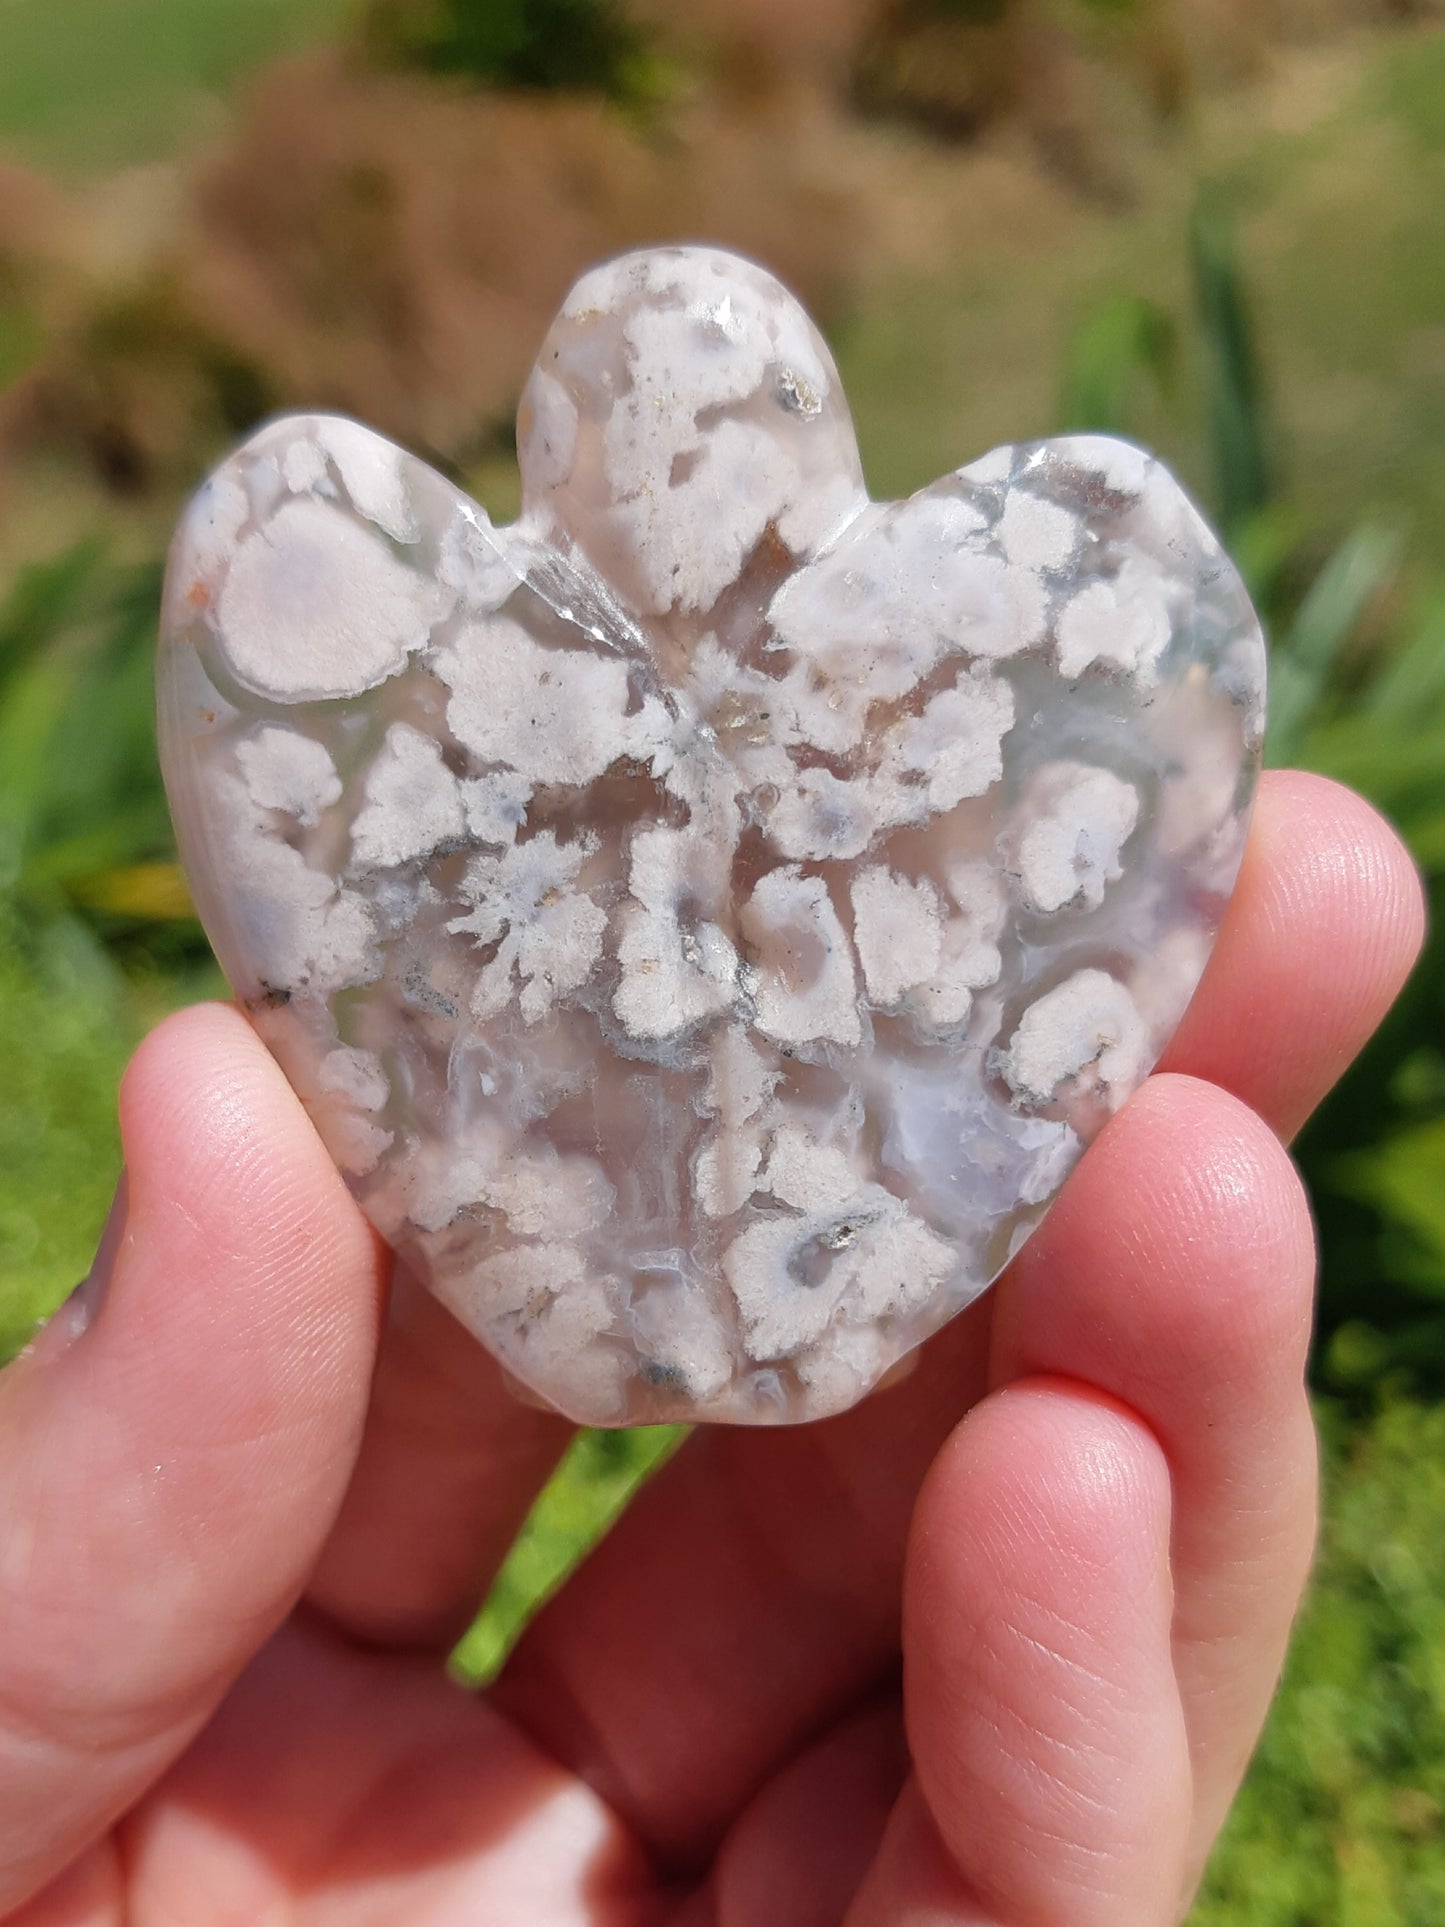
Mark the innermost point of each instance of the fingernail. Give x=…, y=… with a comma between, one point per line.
x=81, y=1309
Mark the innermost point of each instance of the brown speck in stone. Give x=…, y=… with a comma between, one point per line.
x=1086, y=491
x=773, y=550
x=684, y=464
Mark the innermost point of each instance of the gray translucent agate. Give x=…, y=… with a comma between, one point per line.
x=707, y=919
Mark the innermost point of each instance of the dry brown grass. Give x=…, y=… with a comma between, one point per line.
x=385, y=247
x=394, y=249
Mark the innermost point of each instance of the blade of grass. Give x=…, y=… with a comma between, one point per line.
x=1413, y=680
x=1233, y=387
x=1127, y=338
x=1364, y=564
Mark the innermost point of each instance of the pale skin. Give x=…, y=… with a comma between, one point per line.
x=991, y=1651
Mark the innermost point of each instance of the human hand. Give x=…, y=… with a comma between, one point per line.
x=992, y=1649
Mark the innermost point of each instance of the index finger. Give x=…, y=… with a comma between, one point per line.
x=1325, y=922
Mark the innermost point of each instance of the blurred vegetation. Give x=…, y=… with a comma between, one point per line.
x=1342, y=1819
x=82, y=813
x=65, y=1035
x=586, y=45
x=92, y=83
x=1220, y=323
x=96, y=929
x=1357, y=692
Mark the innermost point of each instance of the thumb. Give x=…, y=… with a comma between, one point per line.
x=175, y=1445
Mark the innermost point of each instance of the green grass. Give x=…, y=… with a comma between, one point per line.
x=1342, y=1819
x=589, y=1490
x=65, y=1032
x=92, y=84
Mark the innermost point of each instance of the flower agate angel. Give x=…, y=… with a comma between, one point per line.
x=707, y=919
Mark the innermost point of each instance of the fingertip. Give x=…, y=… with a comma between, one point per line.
x=1047, y=1470
x=1217, y=1220
x=1043, y=1714
x=1359, y=845
x=188, y=1068
x=1175, y=1271
x=226, y=1168
x=1334, y=864
x=202, y=1089
x=1324, y=927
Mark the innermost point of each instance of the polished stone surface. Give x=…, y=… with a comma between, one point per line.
x=706, y=919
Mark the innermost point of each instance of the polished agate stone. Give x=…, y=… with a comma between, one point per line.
x=707, y=919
